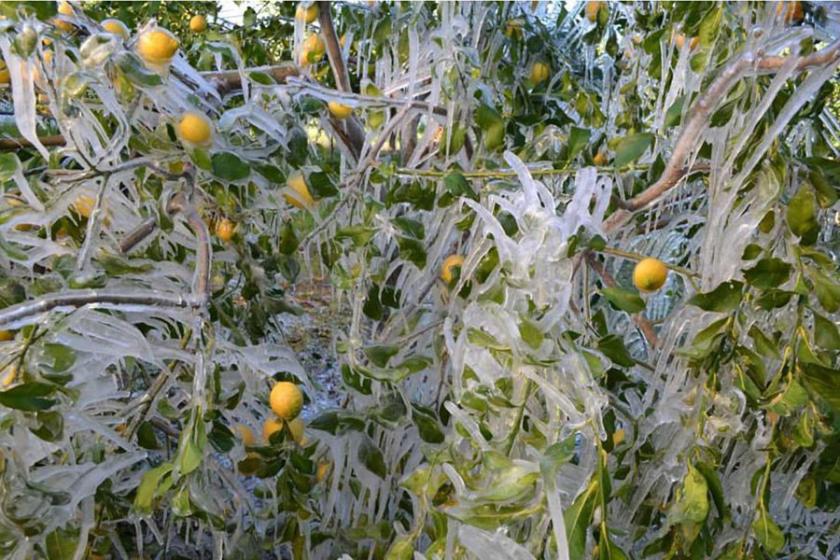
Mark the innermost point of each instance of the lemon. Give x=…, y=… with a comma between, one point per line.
x=513, y=28
x=115, y=27
x=246, y=435
x=312, y=49
x=308, y=14
x=48, y=57
x=271, y=426
x=286, y=400
x=618, y=436
x=339, y=111
x=539, y=72
x=592, y=8
x=650, y=274
x=157, y=46
x=198, y=24
x=322, y=471
x=9, y=376
x=599, y=159
x=301, y=197
x=6, y=336
x=296, y=428
x=447, y=272
x=5, y=76
x=84, y=205
x=195, y=128
x=224, y=229
x=679, y=40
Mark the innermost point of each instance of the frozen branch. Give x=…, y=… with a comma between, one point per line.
x=179, y=203
x=355, y=131
x=80, y=298
x=698, y=119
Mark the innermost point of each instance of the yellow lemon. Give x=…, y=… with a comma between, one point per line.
x=157, y=46
x=297, y=427
x=339, y=111
x=224, y=229
x=679, y=40
x=115, y=27
x=618, y=436
x=198, y=24
x=322, y=471
x=308, y=14
x=447, y=272
x=286, y=400
x=246, y=435
x=513, y=28
x=6, y=336
x=195, y=128
x=312, y=49
x=9, y=376
x=84, y=205
x=271, y=426
x=301, y=197
x=48, y=57
x=599, y=159
x=650, y=274
x=592, y=8
x=5, y=77
x=539, y=72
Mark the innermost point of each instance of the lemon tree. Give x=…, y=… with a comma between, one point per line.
x=419, y=280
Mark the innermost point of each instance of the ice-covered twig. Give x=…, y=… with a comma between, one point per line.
x=698, y=119
x=79, y=298
x=641, y=322
x=342, y=78
x=137, y=235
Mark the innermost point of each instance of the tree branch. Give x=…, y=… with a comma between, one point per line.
x=80, y=298
x=640, y=320
x=698, y=119
x=342, y=79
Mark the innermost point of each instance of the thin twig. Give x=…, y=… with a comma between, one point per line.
x=137, y=235
x=342, y=78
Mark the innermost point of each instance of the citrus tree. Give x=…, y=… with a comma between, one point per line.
x=575, y=267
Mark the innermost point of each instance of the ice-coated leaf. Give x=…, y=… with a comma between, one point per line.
x=725, y=297
x=768, y=533
x=630, y=148
x=624, y=299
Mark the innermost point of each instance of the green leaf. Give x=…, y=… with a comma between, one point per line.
x=826, y=334
x=229, y=167
x=823, y=381
x=577, y=519
x=28, y=397
x=802, y=214
x=726, y=297
x=136, y=72
x=630, y=148
x=321, y=185
x=763, y=345
x=457, y=185
x=61, y=544
x=826, y=289
x=427, y=424
x=612, y=346
x=578, y=139
x=412, y=250
x=220, y=437
x=150, y=486
x=692, y=502
x=380, y=355
x=146, y=436
x=193, y=442
x=531, y=334
x=768, y=533
x=768, y=273
x=715, y=488
x=11, y=292
x=9, y=164
x=624, y=299
x=373, y=306
x=56, y=358
x=555, y=456
x=354, y=379
x=372, y=458
x=672, y=116
x=790, y=400
x=50, y=425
